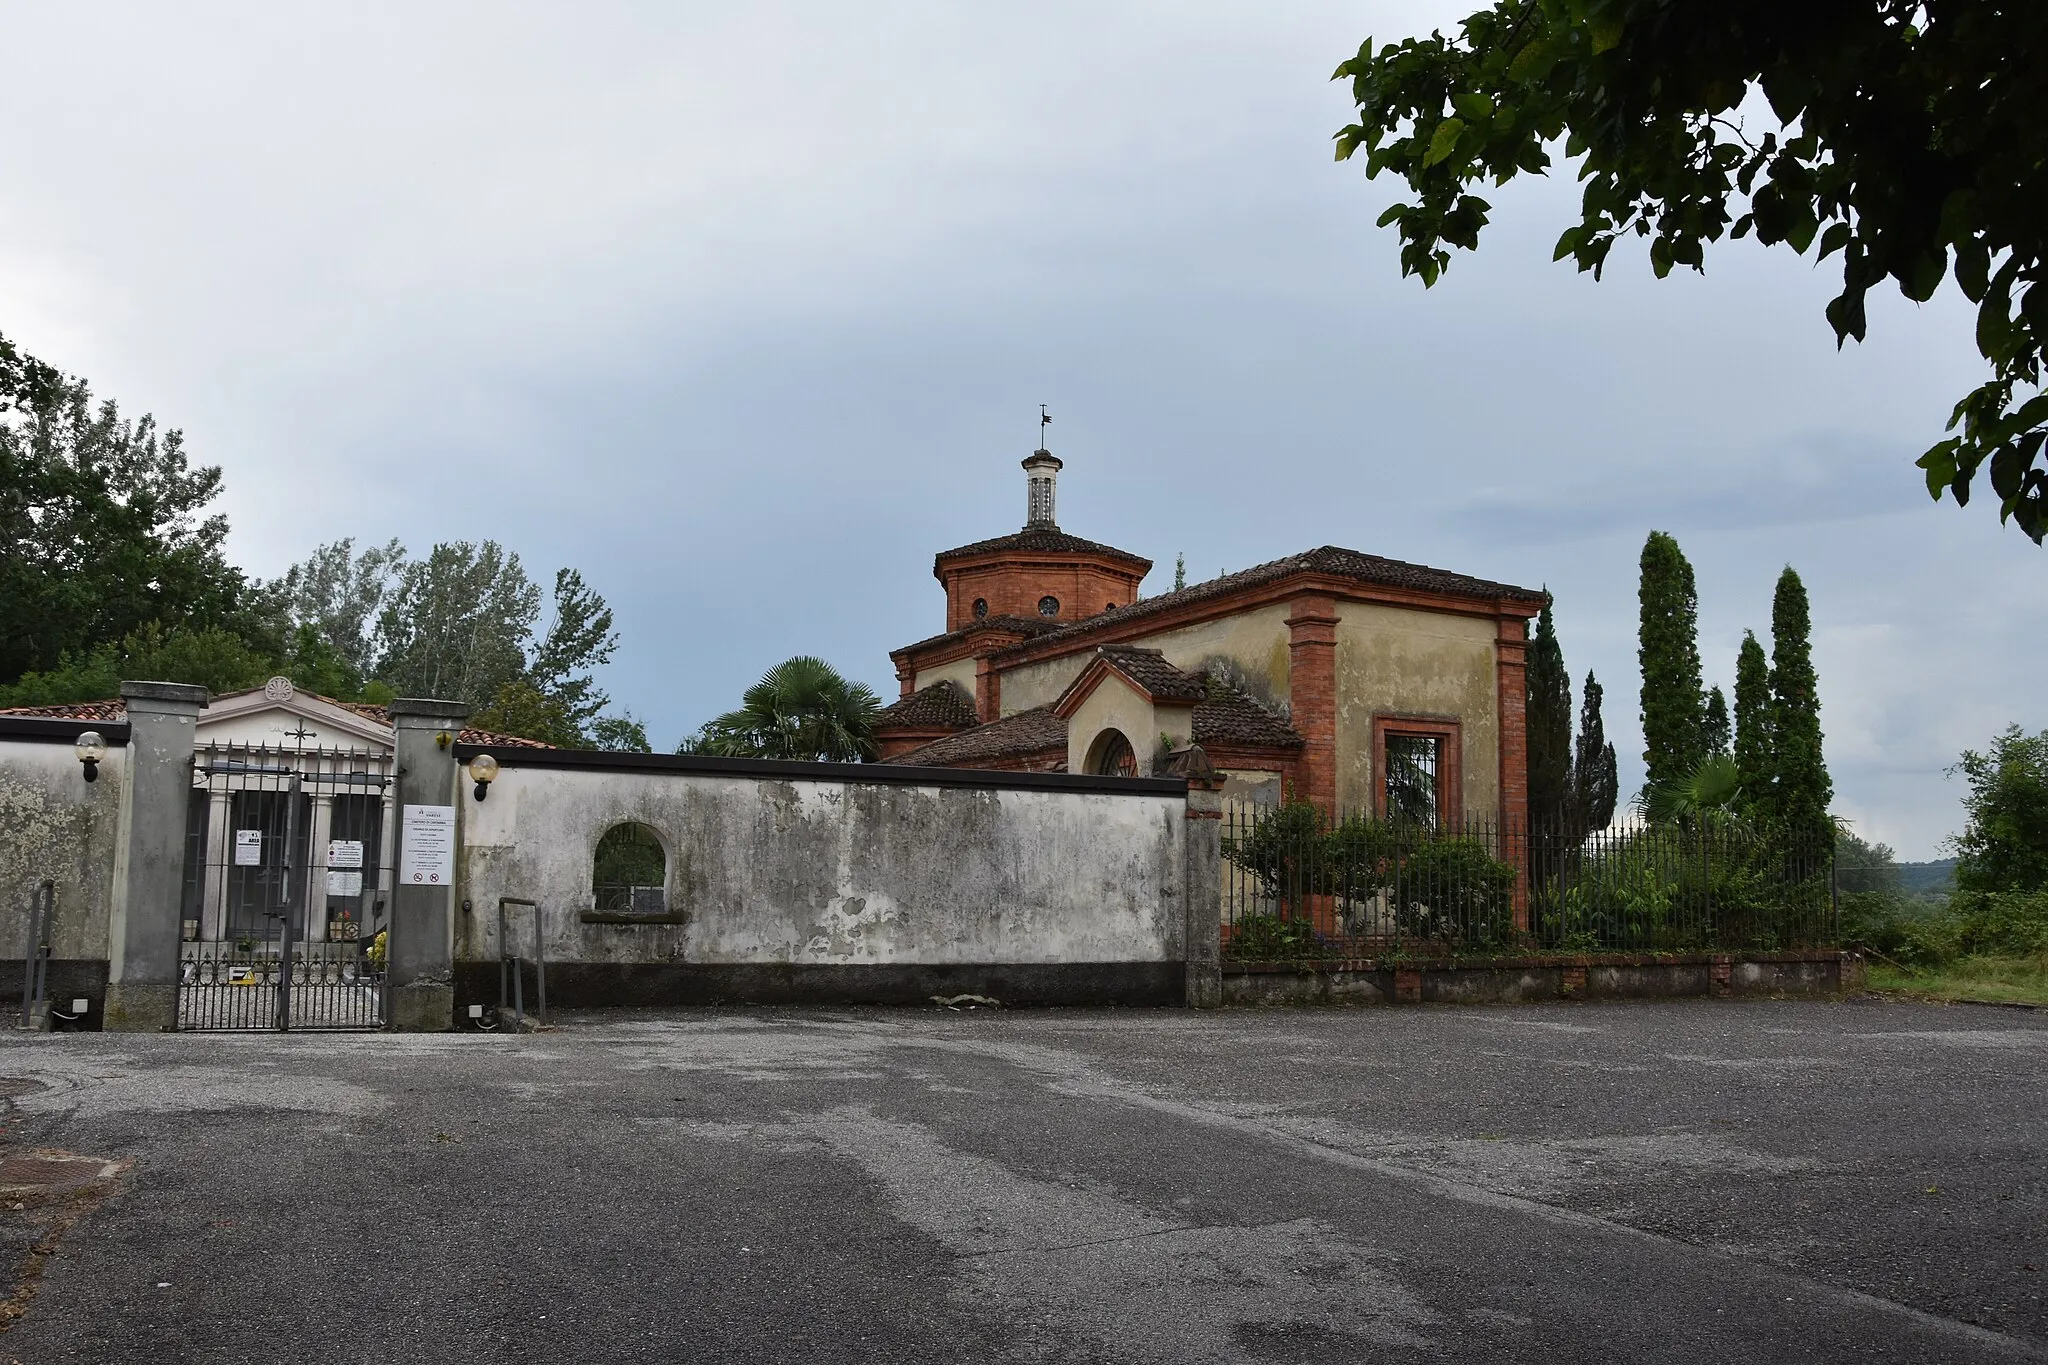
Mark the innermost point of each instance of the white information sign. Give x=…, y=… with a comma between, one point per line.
x=345, y=853
x=248, y=848
x=428, y=858
x=344, y=883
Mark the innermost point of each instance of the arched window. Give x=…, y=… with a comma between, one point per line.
x=1048, y=606
x=1112, y=756
x=630, y=872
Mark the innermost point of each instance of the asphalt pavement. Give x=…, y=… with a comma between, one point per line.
x=1701, y=1181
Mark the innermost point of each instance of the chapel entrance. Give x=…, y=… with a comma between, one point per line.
x=285, y=890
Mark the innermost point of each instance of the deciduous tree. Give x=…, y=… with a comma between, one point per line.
x=104, y=527
x=2004, y=845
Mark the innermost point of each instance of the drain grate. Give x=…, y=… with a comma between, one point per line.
x=41, y=1171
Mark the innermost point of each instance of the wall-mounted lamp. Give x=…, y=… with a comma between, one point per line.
x=483, y=770
x=91, y=747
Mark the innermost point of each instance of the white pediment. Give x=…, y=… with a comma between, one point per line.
x=255, y=719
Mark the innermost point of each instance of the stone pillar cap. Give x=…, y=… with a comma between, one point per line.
x=188, y=693
x=429, y=707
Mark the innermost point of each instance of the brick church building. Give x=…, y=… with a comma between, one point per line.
x=1332, y=675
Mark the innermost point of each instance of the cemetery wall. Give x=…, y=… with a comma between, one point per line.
x=55, y=825
x=838, y=882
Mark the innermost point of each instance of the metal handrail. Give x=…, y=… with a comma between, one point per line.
x=515, y=963
x=35, y=963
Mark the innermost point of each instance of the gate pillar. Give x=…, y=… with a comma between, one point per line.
x=420, y=972
x=1202, y=884
x=149, y=866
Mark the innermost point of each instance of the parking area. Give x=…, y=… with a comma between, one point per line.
x=1725, y=1181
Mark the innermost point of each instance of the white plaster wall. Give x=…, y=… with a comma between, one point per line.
x=1040, y=684
x=54, y=824
x=781, y=871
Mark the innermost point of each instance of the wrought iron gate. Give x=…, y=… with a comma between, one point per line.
x=285, y=890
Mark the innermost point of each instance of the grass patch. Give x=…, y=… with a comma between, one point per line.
x=1995, y=980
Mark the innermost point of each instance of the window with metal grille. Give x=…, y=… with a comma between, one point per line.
x=1413, y=779
x=630, y=872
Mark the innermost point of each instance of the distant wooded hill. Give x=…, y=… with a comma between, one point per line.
x=1938, y=876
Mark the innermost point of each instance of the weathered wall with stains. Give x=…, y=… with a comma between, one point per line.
x=843, y=876
x=54, y=824
x=1394, y=661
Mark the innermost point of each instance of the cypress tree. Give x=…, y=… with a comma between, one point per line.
x=1753, y=724
x=1801, y=787
x=1669, y=652
x=1714, y=728
x=1550, y=725
x=1595, y=780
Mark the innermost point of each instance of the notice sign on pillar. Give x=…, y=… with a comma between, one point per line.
x=428, y=846
x=248, y=848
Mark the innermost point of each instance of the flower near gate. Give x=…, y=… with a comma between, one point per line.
x=374, y=954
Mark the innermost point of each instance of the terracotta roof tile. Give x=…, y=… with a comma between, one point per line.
x=79, y=710
x=945, y=705
x=1045, y=539
x=1027, y=732
x=1226, y=717
x=117, y=710
x=1149, y=669
x=1232, y=717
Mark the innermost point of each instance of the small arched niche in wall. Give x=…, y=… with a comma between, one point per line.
x=629, y=877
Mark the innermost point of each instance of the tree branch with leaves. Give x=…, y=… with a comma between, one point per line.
x=1908, y=140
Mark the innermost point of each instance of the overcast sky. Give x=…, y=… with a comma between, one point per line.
x=746, y=311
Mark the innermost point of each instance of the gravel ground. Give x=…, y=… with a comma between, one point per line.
x=1713, y=1181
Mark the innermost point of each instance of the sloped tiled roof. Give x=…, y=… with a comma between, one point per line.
x=1333, y=560
x=1231, y=717
x=1027, y=732
x=945, y=705
x=1049, y=539
x=1149, y=669
x=110, y=711
x=117, y=710
x=1226, y=717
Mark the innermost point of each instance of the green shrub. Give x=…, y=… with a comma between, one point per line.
x=1454, y=891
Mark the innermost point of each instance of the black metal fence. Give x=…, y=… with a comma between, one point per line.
x=1299, y=884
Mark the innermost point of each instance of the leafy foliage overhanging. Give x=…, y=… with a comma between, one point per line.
x=1909, y=141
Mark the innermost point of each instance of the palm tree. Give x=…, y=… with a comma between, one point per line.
x=801, y=709
x=1707, y=797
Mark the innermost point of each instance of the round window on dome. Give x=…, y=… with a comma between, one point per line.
x=980, y=607
x=1048, y=606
